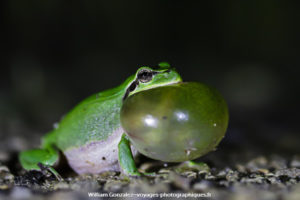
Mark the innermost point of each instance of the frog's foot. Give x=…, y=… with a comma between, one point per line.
x=133, y=174
x=149, y=174
x=192, y=165
x=137, y=175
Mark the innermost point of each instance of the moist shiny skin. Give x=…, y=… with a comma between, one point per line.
x=177, y=122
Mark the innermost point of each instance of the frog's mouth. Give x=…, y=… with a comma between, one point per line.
x=131, y=88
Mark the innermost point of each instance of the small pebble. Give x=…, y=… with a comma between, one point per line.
x=20, y=193
x=295, y=162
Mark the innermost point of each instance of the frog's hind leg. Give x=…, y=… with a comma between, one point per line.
x=35, y=158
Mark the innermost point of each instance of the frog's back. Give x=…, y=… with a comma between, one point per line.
x=94, y=119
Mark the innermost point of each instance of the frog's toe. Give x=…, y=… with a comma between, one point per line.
x=138, y=175
x=149, y=174
x=135, y=174
x=192, y=166
x=50, y=170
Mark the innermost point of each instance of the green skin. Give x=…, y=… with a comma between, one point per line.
x=96, y=119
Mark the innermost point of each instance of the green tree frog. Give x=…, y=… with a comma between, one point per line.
x=91, y=136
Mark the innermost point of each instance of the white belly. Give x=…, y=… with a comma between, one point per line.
x=98, y=156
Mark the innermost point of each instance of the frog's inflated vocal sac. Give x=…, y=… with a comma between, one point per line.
x=91, y=136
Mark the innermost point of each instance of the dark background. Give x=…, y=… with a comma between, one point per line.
x=56, y=53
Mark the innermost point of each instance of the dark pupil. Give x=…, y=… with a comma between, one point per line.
x=145, y=76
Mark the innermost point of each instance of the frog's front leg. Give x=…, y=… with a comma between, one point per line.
x=126, y=160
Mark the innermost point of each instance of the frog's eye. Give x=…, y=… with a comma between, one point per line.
x=145, y=75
